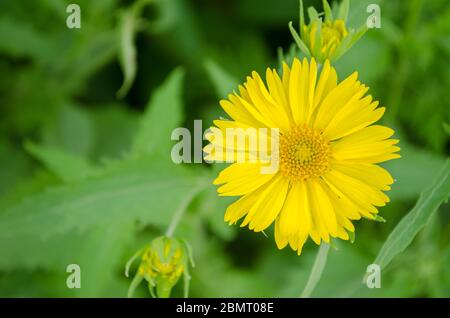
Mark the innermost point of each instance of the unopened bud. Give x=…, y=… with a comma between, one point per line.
x=163, y=262
x=329, y=38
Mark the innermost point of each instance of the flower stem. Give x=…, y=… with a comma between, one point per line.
x=178, y=215
x=316, y=271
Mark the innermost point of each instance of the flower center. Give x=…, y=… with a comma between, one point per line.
x=304, y=153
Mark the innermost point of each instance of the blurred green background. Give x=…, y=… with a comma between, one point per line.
x=86, y=175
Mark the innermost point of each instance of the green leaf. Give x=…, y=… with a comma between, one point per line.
x=223, y=82
x=64, y=165
x=146, y=190
x=127, y=52
x=31, y=252
x=20, y=39
x=72, y=130
x=301, y=17
x=405, y=231
x=327, y=10
x=84, y=59
x=40, y=180
x=98, y=251
x=343, y=10
x=15, y=166
x=128, y=26
x=349, y=41
x=113, y=120
x=351, y=236
x=163, y=114
x=313, y=15
x=101, y=255
x=170, y=13
x=446, y=128
x=380, y=219
x=357, y=35
x=302, y=46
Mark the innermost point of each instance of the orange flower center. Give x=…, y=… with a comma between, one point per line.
x=304, y=153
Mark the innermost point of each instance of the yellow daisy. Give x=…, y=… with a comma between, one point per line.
x=327, y=154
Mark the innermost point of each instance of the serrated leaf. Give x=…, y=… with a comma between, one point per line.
x=73, y=130
x=148, y=191
x=405, y=231
x=66, y=166
x=163, y=114
x=223, y=82
x=40, y=180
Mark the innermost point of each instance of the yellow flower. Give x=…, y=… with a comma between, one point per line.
x=327, y=154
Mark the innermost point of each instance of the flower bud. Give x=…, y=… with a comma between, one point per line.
x=328, y=39
x=163, y=262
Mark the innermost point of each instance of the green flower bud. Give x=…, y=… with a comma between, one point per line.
x=328, y=39
x=163, y=262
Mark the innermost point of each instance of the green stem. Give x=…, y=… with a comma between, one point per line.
x=316, y=271
x=178, y=215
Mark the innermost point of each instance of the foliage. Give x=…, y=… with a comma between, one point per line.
x=87, y=176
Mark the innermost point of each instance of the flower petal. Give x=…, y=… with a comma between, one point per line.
x=278, y=92
x=373, y=175
x=241, y=178
x=326, y=83
x=362, y=115
x=335, y=100
x=368, y=145
x=294, y=90
x=322, y=206
x=268, y=206
x=295, y=217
